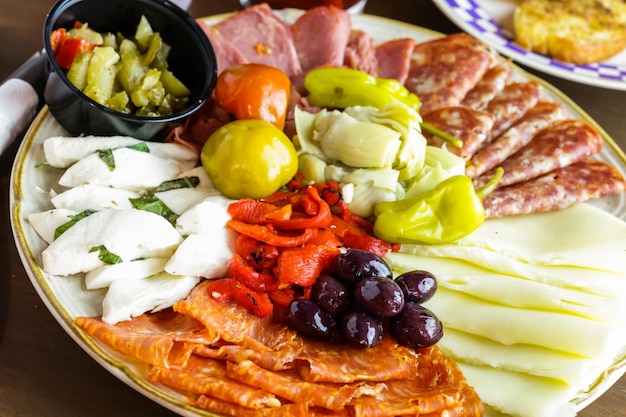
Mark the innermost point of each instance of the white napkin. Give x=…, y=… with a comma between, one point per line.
x=18, y=104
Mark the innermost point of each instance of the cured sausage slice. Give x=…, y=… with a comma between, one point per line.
x=361, y=53
x=516, y=137
x=443, y=70
x=226, y=408
x=559, y=145
x=470, y=126
x=488, y=87
x=555, y=190
x=511, y=104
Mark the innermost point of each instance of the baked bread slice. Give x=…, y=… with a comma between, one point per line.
x=574, y=31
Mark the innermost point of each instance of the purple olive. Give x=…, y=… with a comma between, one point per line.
x=380, y=296
x=416, y=326
x=357, y=264
x=361, y=330
x=417, y=286
x=330, y=294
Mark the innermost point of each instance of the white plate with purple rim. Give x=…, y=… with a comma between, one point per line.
x=491, y=21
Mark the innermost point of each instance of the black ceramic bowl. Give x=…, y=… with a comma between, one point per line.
x=191, y=59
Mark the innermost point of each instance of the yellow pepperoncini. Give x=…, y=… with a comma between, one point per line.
x=448, y=212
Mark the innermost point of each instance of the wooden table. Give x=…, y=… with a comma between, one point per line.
x=42, y=371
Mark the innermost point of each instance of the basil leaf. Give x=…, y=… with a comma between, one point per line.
x=141, y=147
x=154, y=205
x=185, y=182
x=73, y=219
x=106, y=256
x=107, y=157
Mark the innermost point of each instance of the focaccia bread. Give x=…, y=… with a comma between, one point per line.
x=574, y=31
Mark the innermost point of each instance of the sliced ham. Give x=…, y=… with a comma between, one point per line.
x=360, y=53
x=394, y=58
x=511, y=104
x=561, y=144
x=226, y=54
x=468, y=125
x=444, y=70
x=516, y=137
x=558, y=189
x=488, y=87
x=262, y=37
x=320, y=36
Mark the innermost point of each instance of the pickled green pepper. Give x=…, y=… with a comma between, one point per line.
x=448, y=212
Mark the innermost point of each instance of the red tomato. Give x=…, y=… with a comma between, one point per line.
x=254, y=91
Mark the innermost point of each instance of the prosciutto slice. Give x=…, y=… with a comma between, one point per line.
x=394, y=58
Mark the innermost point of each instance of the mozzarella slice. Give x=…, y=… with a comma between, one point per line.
x=94, y=197
x=129, y=233
x=105, y=275
x=45, y=223
x=205, y=218
x=203, y=255
x=134, y=170
x=181, y=199
x=131, y=298
x=61, y=151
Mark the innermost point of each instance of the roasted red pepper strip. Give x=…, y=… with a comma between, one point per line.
x=258, y=212
x=68, y=50
x=368, y=243
x=258, y=281
x=303, y=265
x=262, y=255
x=226, y=289
x=269, y=234
x=317, y=215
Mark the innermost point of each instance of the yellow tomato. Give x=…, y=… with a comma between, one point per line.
x=249, y=159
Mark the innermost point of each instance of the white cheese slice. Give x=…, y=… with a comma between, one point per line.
x=62, y=151
x=134, y=170
x=129, y=233
x=520, y=395
x=205, y=218
x=203, y=255
x=513, y=291
x=45, y=223
x=582, y=235
x=576, y=371
x=104, y=276
x=94, y=197
x=130, y=298
x=181, y=199
x=508, y=325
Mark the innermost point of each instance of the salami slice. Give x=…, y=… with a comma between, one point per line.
x=488, y=87
x=561, y=188
x=443, y=70
x=262, y=37
x=561, y=144
x=511, y=104
x=226, y=408
x=361, y=53
x=516, y=137
x=470, y=126
x=394, y=58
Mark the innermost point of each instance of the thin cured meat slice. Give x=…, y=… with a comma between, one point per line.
x=341, y=364
x=443, y=70
x=320, y=37
x=289, y=385
x=262, y=37
x=226, y=54
x=226, y=408
x=488, y=87
x=361, y=53
x=234, y=324
x=561, y=144
x=470, y=126
x=511, y=104
x=394, y=58
x=164, y=338
x=205, y=376
x=561, y=188
x=516, y=137
x=278, y=359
